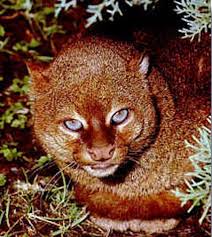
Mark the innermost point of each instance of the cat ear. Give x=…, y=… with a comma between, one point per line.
x=39, y=81
x=140, y=63
x=144, y=64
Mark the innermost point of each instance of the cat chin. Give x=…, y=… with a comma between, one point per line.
x=100, y=173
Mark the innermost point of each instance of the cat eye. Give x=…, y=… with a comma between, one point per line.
x=119, y=117
x=73, y=125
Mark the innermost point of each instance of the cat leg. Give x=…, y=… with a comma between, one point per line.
x=148, y=226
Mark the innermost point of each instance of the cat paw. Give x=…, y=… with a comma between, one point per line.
x=147, y=226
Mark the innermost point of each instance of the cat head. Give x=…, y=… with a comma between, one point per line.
x=93, y=106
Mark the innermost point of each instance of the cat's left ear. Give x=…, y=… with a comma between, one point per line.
x=40, y=82
x=144, y=64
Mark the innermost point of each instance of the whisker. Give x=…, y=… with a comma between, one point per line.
x=55, y=180
x=61, y=170
x=48, y=165
x=134, y=160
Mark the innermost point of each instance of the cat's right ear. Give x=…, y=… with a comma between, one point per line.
x=144, y=64
x=39, y=79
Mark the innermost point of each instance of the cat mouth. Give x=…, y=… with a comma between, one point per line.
x=101, y=170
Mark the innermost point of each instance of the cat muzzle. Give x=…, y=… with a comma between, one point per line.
x=101, y=170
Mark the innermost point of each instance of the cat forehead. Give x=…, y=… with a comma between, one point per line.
x=85, y=58
x=86, y=102
x=84, y=99
x=80, y=66
x=97, y=70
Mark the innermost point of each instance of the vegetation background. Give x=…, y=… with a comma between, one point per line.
x=36, y=198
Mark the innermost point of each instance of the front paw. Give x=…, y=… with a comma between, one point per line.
x=147, y=226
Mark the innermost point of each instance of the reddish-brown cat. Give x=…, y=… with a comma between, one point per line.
x=112, y=125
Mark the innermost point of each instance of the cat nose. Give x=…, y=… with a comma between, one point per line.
x=101, y=153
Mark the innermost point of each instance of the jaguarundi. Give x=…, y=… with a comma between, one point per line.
x=111, y=124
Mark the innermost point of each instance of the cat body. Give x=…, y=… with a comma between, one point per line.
x=113, y=127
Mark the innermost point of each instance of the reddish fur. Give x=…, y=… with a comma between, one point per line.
x=92, y=77
x=108, y=205
x=100, y=134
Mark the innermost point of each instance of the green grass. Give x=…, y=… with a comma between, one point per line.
x=3, y=181
x=10, y=151
x=15, y=116
x=21, y=206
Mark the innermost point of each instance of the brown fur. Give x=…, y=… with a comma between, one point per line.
x=91, y=77
x=162, y=205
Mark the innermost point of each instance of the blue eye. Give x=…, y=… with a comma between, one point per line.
x=73, y=125
x=120, y=116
